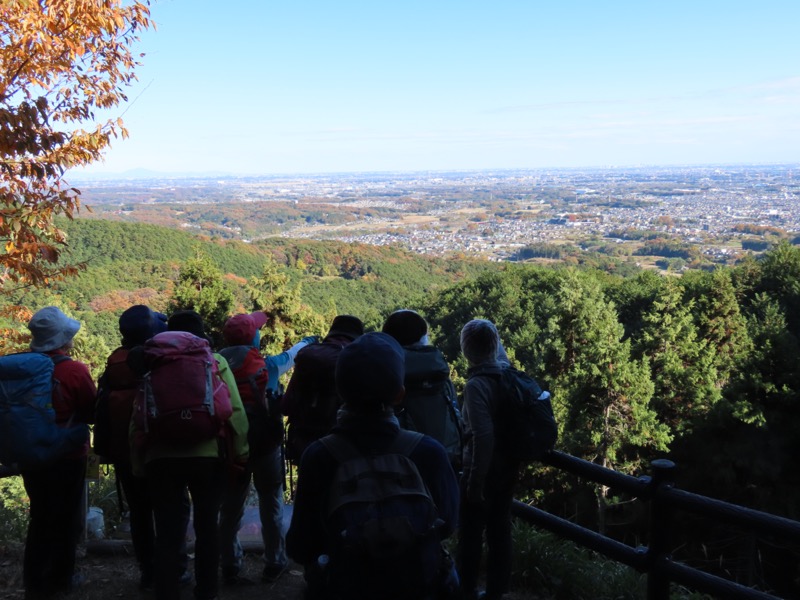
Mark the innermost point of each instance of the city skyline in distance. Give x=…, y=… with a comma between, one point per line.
x=316, y=88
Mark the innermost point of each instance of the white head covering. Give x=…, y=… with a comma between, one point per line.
x=480, y=341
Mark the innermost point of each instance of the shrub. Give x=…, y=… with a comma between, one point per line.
x=556, y=568
x=13, y=510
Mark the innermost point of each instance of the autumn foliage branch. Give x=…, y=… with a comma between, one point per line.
x=60, y=62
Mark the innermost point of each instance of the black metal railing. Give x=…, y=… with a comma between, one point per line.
x=665, y=499
x=655, y=560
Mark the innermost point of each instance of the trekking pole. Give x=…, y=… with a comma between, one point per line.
x=288, y=463
x=291, y=479
x=120, y=501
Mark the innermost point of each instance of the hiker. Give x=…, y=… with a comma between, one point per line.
x=430, y=404
x=487, y=483
x=56, y=490
x=179, y=454
x=258, y=380
x=337, y=528
x=117, y=389
x=310, y=402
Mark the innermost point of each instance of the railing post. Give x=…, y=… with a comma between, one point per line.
x=660, y=527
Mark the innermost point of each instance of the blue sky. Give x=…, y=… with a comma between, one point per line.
x=264, y=87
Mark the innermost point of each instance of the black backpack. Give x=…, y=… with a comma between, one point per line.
x=525, y=427
x=116, y=392
x=311, y=407
x=430, y=405
x=382, y=523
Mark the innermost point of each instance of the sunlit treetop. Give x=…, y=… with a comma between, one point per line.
x=61, y=61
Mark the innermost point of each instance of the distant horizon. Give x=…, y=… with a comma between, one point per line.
x=355, y=86
x=144, y=173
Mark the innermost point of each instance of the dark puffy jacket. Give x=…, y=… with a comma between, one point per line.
x=311, y=402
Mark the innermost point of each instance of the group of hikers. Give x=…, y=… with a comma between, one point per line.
x=390, y=463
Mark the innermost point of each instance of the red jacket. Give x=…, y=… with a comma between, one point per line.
x=74, y=396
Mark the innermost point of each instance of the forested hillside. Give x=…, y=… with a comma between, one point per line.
x=126, y=263
x=701, y=368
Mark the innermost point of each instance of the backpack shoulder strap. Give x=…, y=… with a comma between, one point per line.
x=484, y=372
x=341, y=449
x=405, y=442
x=58, y=358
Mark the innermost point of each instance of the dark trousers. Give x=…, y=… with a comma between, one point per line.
x=494, y=517
x=143, y=534
x=54, y=529
x=168, y=479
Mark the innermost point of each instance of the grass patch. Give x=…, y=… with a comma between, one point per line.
x=555, y=568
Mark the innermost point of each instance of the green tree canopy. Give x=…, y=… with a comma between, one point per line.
x=201, y=288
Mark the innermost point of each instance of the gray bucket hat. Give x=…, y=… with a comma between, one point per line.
x=51, y=329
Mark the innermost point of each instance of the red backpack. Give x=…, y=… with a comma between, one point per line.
x=250, y=372
x=265, y=431
x=183, y=399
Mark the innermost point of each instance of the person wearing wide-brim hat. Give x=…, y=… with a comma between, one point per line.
x=56, y=491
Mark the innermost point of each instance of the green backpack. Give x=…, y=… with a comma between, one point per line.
x=430, y=405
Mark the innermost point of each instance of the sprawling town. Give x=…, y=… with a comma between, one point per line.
x=494, y=213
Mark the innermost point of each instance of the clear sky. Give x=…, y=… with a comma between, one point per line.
x=309, y=86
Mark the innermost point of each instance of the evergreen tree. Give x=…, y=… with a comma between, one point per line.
x=566, y=334
x=602, y=395
x=719, y=319
x=289, y=319
x=634, y=297
x=745, y=451
x=780, y=278
x=201, y=288
x=682, y=364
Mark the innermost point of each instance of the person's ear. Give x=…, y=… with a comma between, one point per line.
x=398, y=399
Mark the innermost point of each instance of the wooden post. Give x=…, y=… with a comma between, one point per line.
x=660, y=527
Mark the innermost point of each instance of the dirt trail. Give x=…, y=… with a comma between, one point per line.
x=112, y=574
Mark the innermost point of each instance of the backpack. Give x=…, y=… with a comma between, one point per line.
x=29, y=435
x=430, y=405
x=527, y=426
x=311, y=406
x=265, y=431
x=116, y=393
x=182, y=398
x=382, y=523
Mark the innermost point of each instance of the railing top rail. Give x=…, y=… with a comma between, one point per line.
x=7, y=471
x=619, y=551
x=636, y=486
x=711, y=584
x=748, y=518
